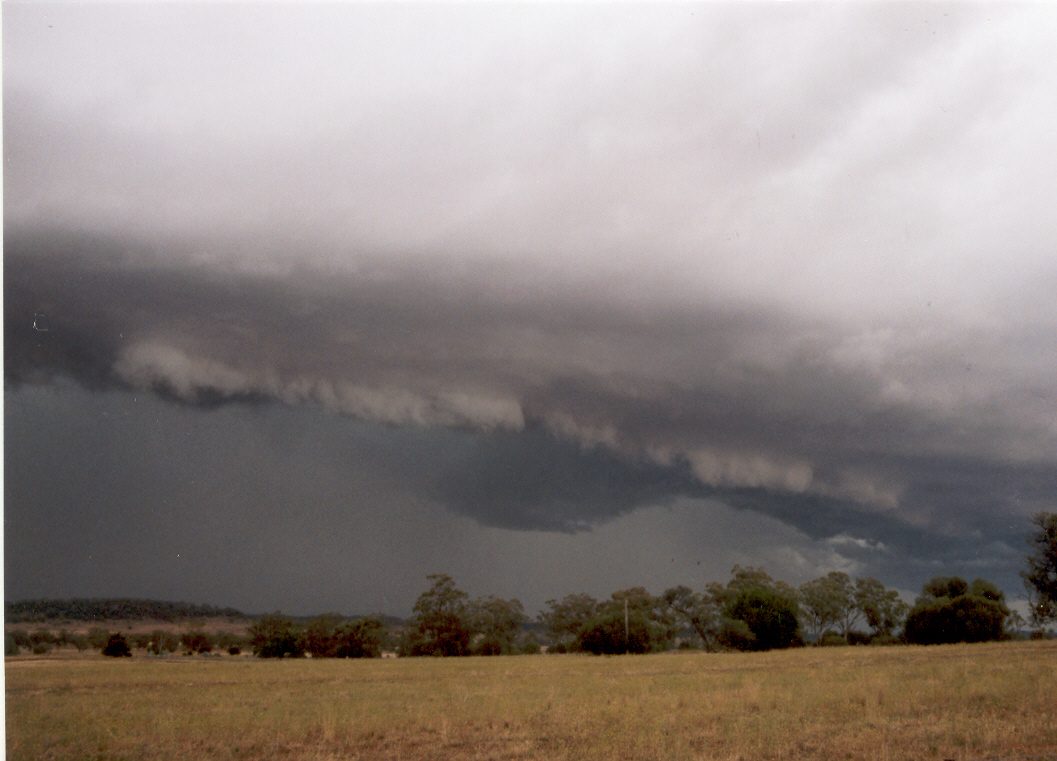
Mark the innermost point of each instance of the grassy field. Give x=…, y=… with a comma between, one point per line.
x=966, y=702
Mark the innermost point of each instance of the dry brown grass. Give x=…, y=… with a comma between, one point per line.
x=967, y=702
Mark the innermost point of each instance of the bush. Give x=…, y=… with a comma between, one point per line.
x=965, y=614
x=225, y=640
x=117, y=647
x=528, y=646
x=735, y=635
x=196, y=642
x=856, y=637
x=832, y=639
x=41, y=637
x=10, y=646
x=234, y=650
x=884, y=639
x=162, y=642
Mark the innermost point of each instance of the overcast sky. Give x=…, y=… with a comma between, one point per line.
x=303, y=303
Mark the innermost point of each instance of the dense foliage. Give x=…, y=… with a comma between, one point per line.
x=275, y=636
x=326, y=636
x=117, y=647
x=447, y=622
x=952, y=610
x=1040, y=579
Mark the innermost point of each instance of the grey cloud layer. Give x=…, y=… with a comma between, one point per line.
x=270, y=506
x=858, y=160
x=699, y=401
x=797, y=257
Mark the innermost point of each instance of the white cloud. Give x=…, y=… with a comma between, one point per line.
x=846, y=540
x=749, y=470
x=150, y=364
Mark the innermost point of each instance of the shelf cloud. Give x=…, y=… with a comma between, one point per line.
x=793, y=260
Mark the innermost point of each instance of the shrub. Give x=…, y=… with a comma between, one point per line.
x=41, y=637
x=196, y=642
x=885, y=639
x=832, y=639
x=117, y=647
x=225, y=640
x=528, y=646
x=960, y=614
x=856, y=637
x=163, y=642
x=735, y=635
x=10, y=646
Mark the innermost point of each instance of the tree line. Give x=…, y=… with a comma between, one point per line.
x=751, y=611
x=111, y=609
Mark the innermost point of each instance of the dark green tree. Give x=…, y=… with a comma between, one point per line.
x=768, y=610
x=769, y=615
x=945, y=586
x=1040, y=578
x=883, y=609
x=440, y=625
x=695, y=611
x=631, y=621
x=495, y=624
x=824, y=603
x=318, y=637
x=566, y=618
x=605, y=634
x=275, y=636
x=951, y=610
x=361, y=638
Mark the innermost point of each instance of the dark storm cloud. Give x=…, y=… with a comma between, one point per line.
x=586, y=263
x=266, y=507
x=589, y=409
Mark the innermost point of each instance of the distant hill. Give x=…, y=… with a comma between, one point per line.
x=111, y=609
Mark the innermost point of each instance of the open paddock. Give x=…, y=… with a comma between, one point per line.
x=964, y=702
